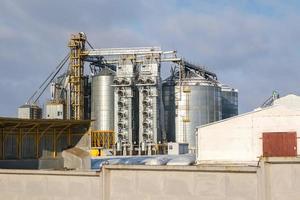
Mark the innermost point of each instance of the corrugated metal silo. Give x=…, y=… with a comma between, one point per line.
x=198, y=102
x=229, y=98
x=168, y=96
x=102, y=108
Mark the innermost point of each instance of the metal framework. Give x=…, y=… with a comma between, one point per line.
x=113, y=55
x=31, y=139
x=78, y=54
x=130, y=62
x=77, y=46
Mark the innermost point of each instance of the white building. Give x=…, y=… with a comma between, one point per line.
x=55, y=110
x=29, y=111
x=270, y=131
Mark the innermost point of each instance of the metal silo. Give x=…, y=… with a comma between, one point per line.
x=102, y=108
x=198, y=102
x=87, y=97
x=192, y=97
x=229, y=98
x=168, y=96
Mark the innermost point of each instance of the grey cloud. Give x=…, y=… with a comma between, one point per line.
x=253, y=52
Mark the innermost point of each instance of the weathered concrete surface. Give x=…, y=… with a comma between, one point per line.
x=280, y=179
x=51, y=163
x=38, y=184
x=174, y=182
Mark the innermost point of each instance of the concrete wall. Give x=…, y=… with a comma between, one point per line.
x=273, y=179
x=174, y=183
x=279, y=178
x=37, y=185
x=239, y=139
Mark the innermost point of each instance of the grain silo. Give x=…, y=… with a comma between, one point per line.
x=229, y=99
x=192, y=97
x=102, y=105
x=168, y=94
x=198, y=102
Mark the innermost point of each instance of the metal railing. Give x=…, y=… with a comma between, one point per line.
x=102, y=139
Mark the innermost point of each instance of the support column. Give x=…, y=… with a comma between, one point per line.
x=69, y=136
x=20, y=143
x=54, y=143
x=37, y=143
x=3, y=147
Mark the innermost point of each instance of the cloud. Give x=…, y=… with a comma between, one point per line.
x=251, y=45
x=254, y=53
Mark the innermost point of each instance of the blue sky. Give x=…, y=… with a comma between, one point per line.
x=253, y=45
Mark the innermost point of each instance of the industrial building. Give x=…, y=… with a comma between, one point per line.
x=268, y=131
x=32, y=111
x=133, y=111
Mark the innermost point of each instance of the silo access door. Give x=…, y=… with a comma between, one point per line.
x=279, y=144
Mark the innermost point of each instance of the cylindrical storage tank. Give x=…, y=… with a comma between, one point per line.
x=198, y=102
x=168, y=97
x=229, y=98
x=102, y=108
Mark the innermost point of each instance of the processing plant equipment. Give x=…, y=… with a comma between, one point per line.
x=168, y=97
x=126, y=125
x=132, y=112
x=192, y=97
x=148, y=83
x=76, y=74
x=102, y=109
x=197, y=103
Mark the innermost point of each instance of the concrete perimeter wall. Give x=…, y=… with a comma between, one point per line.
x=274, y=179
x=174, y=183
x=279, y=178
x=49, y=185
